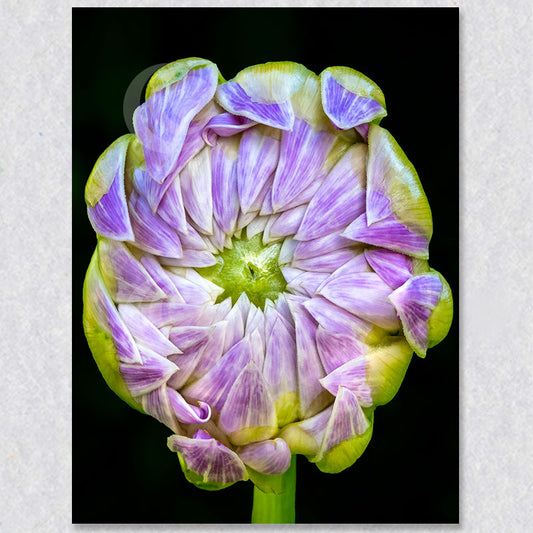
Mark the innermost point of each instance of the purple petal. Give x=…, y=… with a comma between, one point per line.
x=302, y=154
x=336, y=320
x=310, y=370
x=214, y=387
x=152, y=233
x=288, y=222
x=224, y=192
x=328, y=262
x=189, y=291
x=163, y=120
x=216, y=464
x=322, y=245
x=144, y=332
x=125, y=277
x=393, y=268
x=287, y=251
x=171, y=208
x=156, y=404
x=388, y=233
x=279, y=368
x=267, y=457
x=192, y=240
x=171, y=314
x=154, y=371
x=256, y=226
x=211, y=351
x=340, y=199
x=109, y=216
x=225, y=125
x=232, y=97
x=235, y=328
x=100, y=313
x=258, y=158
x=248, y=413
x=196, y=189
x=160, y=276
x=362, y=129
x=414, y=301
x=352, y=376
x=363, y=294
x=347, y=419
x=191, y=258
x=306, y=283
x=188, y=336
x=335, y=349
x=345, y=108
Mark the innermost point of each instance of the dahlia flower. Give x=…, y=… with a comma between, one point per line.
x=260, y=281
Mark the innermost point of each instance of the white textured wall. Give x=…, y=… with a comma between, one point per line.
x=496, y=257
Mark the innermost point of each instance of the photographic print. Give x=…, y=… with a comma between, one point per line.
x=265, y=265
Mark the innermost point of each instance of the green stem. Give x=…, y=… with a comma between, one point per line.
x=277, y=508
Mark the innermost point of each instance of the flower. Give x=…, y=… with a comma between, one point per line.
x=260, y=280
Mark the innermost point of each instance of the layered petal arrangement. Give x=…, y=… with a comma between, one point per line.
x=260, y=281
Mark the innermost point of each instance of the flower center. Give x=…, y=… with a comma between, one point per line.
x=249, y=267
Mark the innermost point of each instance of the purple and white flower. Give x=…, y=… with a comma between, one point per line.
x=261, y=279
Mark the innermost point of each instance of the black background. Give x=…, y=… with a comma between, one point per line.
x=122, y=469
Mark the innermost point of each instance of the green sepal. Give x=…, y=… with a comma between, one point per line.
x=346, y=453
x=100, y=338
x=403, y=188
x=441, y=317
x=268, y=483
x=385, y=368
x=198, y=481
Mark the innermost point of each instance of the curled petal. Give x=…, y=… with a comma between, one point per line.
x=225, y=125
x=206, y=462
x=163, y=120
x=350, y=98
x=267, y=457
x=186, y=413
x=262, y=93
